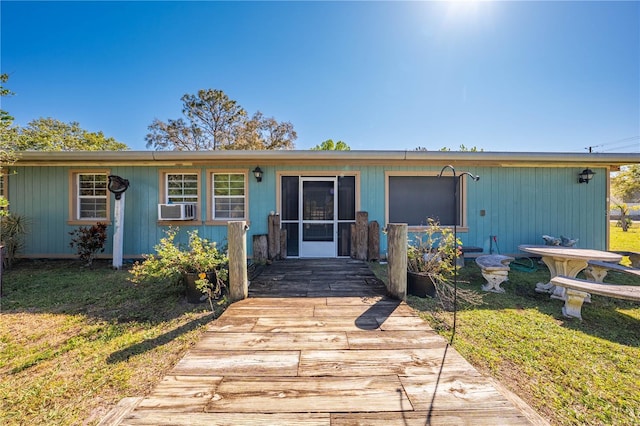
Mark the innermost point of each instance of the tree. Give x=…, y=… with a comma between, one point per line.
x=213, y=122
x=329, y=145
x=463, y=148
x=7, y=134
x=261, y=132
x=49, y=134
x=626, y=184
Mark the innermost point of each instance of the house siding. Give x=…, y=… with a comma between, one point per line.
x=520, y=203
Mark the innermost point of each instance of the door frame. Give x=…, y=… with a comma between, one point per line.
x=301, y=174
x=318, y=248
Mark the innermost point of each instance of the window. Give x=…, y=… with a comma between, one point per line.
x=412, y=199
x=89, y=196
x=228, y=196
x=178, y=186
x=182, y=188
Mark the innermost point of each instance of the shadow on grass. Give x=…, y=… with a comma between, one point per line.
x=150, y=344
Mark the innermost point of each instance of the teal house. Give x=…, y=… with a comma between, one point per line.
x=518, y=197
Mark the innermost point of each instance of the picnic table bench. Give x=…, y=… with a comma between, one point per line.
x=495, y=269
x=633, y=256
x=597, y=270
x=577, y=290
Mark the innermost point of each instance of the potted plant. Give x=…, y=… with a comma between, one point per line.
x=199, y=266
x=430, y=259
x=431, y=263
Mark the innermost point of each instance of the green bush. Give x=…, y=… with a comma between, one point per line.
x=172, y=261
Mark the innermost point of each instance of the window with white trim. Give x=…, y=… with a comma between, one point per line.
x=229, y=196
x=181, y=188
x=91, y=196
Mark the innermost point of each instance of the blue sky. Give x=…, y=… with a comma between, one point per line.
x=502, y=76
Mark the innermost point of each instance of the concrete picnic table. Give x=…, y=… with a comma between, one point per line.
x=566, y=261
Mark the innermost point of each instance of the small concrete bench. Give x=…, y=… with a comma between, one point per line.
x=633, y=256
x=597, y=270
x=495, y=269
x=578, y=290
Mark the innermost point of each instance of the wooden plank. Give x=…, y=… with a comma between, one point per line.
x=239, y=363
x=454, y=390
x=368, y=310
x=271, y=311
x=271, y=341
x=357, y=300
x=280, y=302
x=403, y=323
x=395, y=339
x=309, y=394
x=228, y=419
x=122, y=409
x=185, y=394
x=306, y=325
x=490, y=417
x=422, y=362
x=230, y=323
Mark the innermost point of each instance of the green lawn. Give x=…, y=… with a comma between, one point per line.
x=74, y=341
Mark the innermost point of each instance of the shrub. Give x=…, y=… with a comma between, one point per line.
x=13, y=227
x=172, y=261
x=88, y=241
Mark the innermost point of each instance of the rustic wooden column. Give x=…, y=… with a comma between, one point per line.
x=397, y=258
x=362, y=235
x=373, y=248
x=354, y=242
x=238, y=281
x=283, y=244
x=274, y=236
x=260, y=248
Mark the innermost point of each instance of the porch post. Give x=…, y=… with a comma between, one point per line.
x=238, y=281
x=397, y=258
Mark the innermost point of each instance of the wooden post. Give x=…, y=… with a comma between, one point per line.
x=354, y=243
x=283, y=244
x=238, y=281
x=274, y=236
x=260, y=248
x=397, y=257
x=362, y=235
x=374, y=241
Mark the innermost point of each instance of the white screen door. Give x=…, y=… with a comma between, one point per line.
x=318, y=211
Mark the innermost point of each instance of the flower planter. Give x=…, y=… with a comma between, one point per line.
x=193, y=294
x=420, y=285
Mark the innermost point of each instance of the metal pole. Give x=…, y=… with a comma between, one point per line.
x=456, y=181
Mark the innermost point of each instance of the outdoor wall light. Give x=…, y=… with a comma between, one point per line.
x=585, y=176
x=257, y=172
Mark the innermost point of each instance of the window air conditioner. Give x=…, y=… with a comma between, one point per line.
x=177, y=211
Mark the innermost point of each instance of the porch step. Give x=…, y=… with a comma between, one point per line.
x=120, y=411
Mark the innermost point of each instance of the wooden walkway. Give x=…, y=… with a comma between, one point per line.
x=318, y=343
